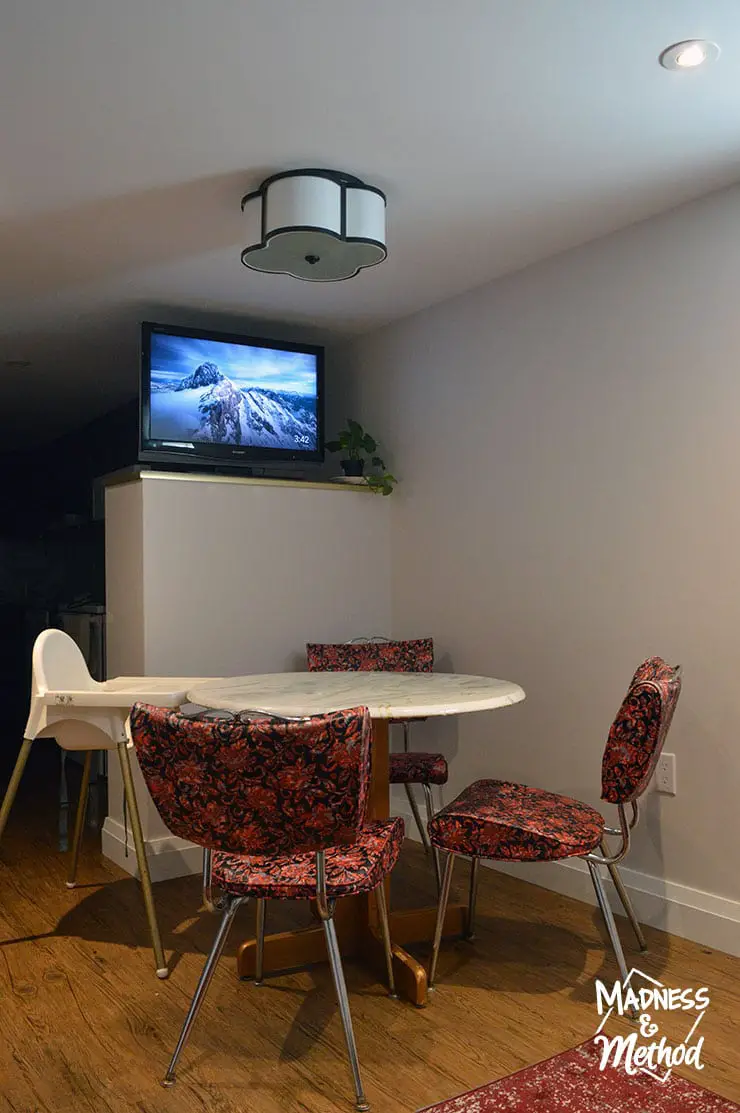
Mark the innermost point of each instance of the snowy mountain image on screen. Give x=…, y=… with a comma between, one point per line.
x=207, y=405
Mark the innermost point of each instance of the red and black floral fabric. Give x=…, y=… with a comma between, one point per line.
x=350, y=870
x=257, y=786
x=639, y=731
x=416, y=768
x=652, y=668
x=499, y=819
x=416, y=655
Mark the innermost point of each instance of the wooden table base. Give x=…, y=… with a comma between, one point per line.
x=356, y=918
x=359, y=939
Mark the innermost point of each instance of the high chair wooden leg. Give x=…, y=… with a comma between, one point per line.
x=144, y=876
x=80, y=820
x=15, y=780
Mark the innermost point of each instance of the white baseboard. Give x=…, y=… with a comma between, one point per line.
x=689, y=913
x=167, y=855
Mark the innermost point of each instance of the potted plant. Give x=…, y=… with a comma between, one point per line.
x=357, y=446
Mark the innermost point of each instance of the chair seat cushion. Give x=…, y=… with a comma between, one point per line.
x=417, y=768
x=500, y=819
x=359, y=868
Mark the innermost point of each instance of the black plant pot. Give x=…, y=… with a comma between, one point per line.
x=352, y=467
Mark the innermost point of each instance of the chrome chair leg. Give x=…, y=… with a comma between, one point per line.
x=472, y=898
x=259, y=957
x=15, y=780
x=430, y=816
x=444, y=896
x=335, y=960
x=608, y=915
x=80, y=820
x=202, y=987
x=144, y=876
x=421, y=826
x=625, y=899
x=386, y=933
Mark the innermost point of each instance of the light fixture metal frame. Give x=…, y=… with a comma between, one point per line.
x=344, y=181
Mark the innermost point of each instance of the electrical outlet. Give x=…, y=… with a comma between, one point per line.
x=665, y=774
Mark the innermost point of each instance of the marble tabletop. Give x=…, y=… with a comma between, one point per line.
x=387, y=695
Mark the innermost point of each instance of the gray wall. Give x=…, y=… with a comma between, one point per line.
x=568, y=446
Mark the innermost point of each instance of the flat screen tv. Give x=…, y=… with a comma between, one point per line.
x=224, y=400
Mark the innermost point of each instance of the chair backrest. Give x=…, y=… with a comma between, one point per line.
x=58, y=664
x=372, y=655
x=639, y=731
x=257, y=785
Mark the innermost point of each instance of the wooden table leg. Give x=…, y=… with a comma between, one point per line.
x=416, y=925
x=409, y=973
x=380, y=799
x=285, y=951
x=290, y=950
x=357, y=939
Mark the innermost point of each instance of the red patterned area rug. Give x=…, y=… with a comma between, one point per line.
x=573, y=1083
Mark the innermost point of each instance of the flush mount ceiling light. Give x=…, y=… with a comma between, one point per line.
x=689, y=54
x=319, y=225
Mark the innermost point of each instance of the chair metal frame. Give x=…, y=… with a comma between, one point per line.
x=630, y=795
x=594, y=861
x=227, y=906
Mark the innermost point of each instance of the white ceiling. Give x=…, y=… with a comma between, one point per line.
x=501, y=130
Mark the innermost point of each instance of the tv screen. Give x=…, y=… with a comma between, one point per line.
x=223, y=398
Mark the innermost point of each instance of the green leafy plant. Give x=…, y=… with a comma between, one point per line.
x=357, y=445
x=353, y=441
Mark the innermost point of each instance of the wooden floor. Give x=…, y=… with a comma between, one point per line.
x=86, y=1026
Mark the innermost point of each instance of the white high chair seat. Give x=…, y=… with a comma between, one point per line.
x=63, y=693
x=81, y=713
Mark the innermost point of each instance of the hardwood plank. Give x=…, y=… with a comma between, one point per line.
x=87, y=1026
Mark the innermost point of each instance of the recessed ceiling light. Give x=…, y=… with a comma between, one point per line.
x=689, y=54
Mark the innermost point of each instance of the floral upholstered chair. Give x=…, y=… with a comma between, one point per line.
x=380, y=654
x=279, y=806
x=513, y=822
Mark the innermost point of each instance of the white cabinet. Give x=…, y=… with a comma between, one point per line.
x=217, y=576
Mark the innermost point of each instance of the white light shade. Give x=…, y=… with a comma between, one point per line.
x=319, y=225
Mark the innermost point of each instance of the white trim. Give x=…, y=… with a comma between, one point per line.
x=708, y=919
x=139, y=474
x=167, y=855
x=705, y=918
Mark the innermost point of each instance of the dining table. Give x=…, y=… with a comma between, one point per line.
x=388, y=696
